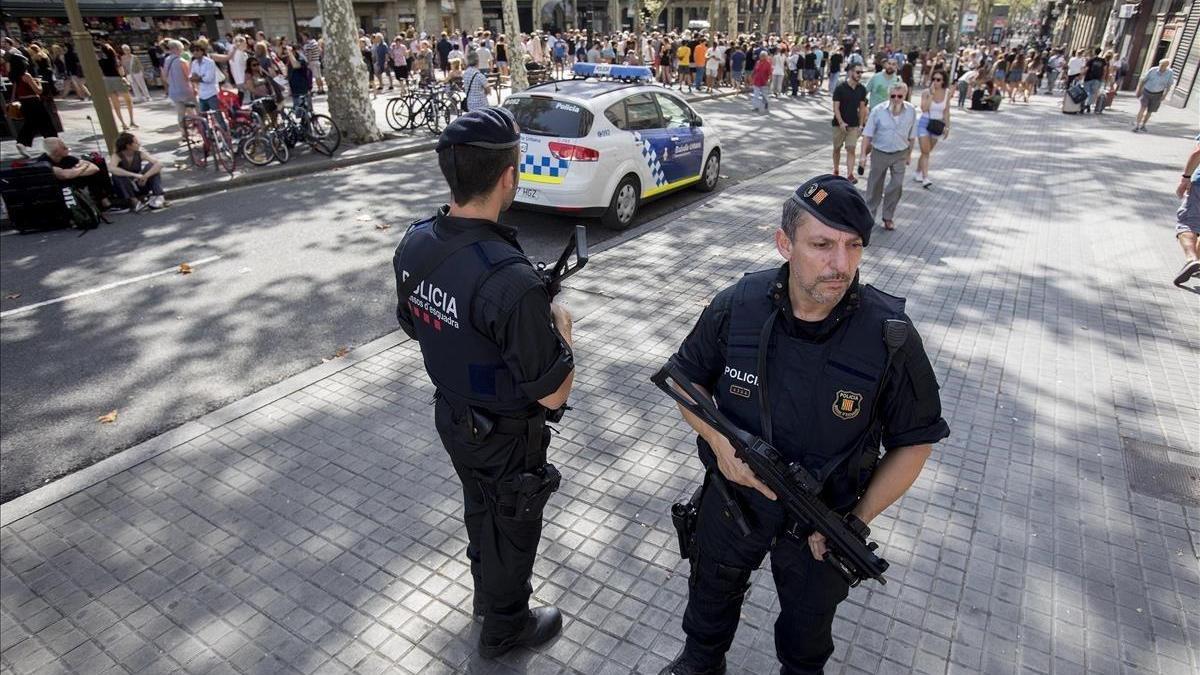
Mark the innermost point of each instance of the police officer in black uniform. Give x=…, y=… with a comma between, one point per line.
x=499, y=353
x=797, y=356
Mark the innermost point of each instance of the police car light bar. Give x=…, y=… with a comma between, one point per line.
x=615, y=72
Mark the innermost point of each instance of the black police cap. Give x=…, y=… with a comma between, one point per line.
x=493, y=128
x=833, y=200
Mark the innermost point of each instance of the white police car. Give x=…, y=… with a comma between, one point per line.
x=599, y=147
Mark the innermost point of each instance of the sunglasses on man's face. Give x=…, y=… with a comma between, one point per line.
x=900, y=96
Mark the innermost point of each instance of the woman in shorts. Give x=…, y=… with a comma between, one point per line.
x=935, y=109
x=1000, y=73
x=115, y=84
x=1016, y=77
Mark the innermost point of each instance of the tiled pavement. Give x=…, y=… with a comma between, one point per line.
x=318, y=530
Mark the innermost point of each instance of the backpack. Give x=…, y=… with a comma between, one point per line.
x=81, y=210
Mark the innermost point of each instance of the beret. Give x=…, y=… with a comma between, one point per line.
x=833, y=200
x=493, y=128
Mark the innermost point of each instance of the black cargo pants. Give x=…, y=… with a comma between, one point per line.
x=501, y=549
x=809, y=589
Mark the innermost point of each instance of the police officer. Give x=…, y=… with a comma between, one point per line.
x=499, y=353
x=797, y=355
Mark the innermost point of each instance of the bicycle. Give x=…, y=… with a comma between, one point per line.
x=300, y=124
x=433, y=107
x=207, y=134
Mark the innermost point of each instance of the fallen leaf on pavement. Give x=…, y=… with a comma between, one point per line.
x=185, y=268
x=341, y=351
x=187, y=217
x=382, y=226
x=363, y=218
x=12, y=296
x=108, y=419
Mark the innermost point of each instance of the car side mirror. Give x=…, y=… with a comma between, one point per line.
x=697, y=121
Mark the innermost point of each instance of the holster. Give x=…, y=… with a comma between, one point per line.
x=521, y=496
x=685, y=516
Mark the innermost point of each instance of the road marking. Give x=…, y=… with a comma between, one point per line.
x=105, y=287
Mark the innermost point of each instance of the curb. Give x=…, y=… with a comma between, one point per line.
x=292, y=170
x=36, y=500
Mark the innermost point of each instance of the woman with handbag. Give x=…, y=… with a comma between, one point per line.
x=132, y=65
x=115, y=84
x=27, y=104
x=933, y=125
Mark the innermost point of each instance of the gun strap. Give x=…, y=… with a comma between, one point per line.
x=764, y=403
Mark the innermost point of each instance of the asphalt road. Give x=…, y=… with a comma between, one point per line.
x=288, y=274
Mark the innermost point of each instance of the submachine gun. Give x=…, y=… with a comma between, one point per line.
x=798, y=491
x=554, y=276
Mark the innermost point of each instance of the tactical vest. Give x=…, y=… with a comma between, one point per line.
x=463, y=363
x=829, y=388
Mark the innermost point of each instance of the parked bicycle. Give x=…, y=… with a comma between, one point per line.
x=301, y=125
x=208, y=135
x=433, y=107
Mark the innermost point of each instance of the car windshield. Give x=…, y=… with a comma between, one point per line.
x=544, y=116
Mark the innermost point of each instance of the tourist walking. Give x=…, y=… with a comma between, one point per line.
x=1150, y=91
x=760, y=79
x=933, y=125
x=889, y=137
x=137, y=79
x=849, y=112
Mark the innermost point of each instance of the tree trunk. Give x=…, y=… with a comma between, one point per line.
x=516, y=51
x=939, y=17
x=862, y=27
x=731, y=18
x=349, y=94
x=614, y=16
x=786, y=25
x=714, y=17
x=879, y=27
x=420, y=16
x=898, y=30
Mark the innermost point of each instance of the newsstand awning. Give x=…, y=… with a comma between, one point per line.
x=38, y=8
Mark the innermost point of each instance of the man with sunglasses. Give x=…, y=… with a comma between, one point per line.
x=888, y=138
x=849, y=111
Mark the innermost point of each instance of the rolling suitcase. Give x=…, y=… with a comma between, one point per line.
x=34, y=199
x=1073, y=99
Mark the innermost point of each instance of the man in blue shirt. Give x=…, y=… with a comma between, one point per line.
x=889, y=137
x=1150, y=91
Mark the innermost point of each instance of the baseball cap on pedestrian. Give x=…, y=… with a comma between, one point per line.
x=833, y=200
x=492, y=128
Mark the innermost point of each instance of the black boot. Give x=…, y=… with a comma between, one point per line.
x=543, y=623
x=681, y=666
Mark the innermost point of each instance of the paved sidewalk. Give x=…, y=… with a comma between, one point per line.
x=315, y=527
x=159, y=133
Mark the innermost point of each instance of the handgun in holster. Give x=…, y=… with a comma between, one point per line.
x=686, y=516
x=524, y=495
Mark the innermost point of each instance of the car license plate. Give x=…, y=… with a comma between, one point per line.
x=528, y=193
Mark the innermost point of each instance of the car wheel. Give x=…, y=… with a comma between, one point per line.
x=712, y=172
x=623, y=205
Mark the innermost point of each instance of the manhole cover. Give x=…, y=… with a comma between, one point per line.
x=1163, y=472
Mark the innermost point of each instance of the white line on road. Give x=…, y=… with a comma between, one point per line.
x=105, y=287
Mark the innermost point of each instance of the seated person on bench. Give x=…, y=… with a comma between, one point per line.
x=76, y=172
x=137, y=175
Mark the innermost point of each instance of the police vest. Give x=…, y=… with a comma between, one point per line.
x=829, y=388
x=463, y=363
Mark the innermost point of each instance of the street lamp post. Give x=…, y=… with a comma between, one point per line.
x=92, y=75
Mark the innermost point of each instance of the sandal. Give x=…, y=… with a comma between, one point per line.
x=853, y=179
x=889, y=225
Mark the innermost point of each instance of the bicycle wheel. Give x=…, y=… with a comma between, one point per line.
x=222, y=143
x=323, y=135
x=193, y=133
x=435, y=114
x=258, y=150
x=280, y=148
x=400, y=115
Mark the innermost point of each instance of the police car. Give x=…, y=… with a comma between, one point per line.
x=603, y=143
